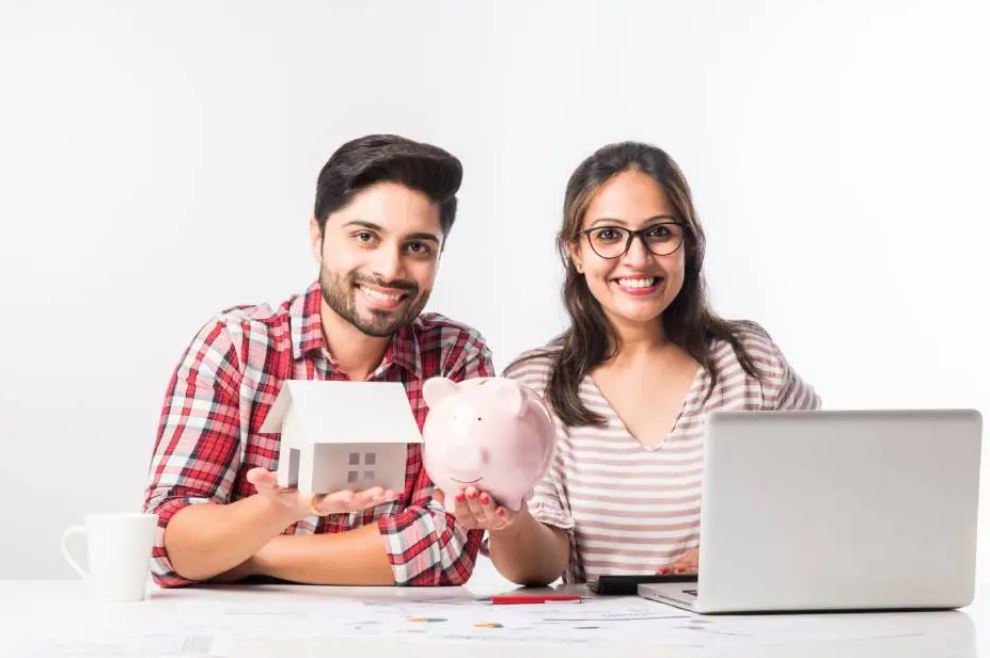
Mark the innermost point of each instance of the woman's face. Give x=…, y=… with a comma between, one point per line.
x=636, y=287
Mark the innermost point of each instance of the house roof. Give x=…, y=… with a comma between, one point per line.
x=343, y=412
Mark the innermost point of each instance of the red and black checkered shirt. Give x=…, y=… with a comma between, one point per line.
x=222, y=390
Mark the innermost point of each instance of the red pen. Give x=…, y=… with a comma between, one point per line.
x=513, y=599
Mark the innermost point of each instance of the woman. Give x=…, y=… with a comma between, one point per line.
x=629, y=383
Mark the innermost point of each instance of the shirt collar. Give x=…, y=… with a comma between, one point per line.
x=307, y=334
x=304, y=318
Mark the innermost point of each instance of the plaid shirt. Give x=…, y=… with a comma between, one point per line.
x=222, y=390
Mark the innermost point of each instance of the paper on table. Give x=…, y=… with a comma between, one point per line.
x=215, y=626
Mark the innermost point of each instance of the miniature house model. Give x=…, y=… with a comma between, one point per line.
x=342, y=435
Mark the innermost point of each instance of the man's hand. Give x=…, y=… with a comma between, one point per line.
x=475, y=509
x=303, y=505
x=686, y=563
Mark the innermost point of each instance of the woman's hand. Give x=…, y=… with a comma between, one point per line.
x=686, y=563
x=475, y=509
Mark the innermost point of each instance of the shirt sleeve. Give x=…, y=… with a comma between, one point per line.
x=198, y=448
x=425, y=544
x=548, y=504
x=795, y=393
x=786, y=390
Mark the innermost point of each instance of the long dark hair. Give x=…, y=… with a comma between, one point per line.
x=688, y=321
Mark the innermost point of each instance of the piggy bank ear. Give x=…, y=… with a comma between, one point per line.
x=508, y=397
x=438, y=389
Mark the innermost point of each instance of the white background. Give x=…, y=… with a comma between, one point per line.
x=158, y=163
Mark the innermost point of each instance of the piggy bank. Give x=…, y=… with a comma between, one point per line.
x=493, y=433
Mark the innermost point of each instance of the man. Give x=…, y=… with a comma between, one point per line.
x=384, y=209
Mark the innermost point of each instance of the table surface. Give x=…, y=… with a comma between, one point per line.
x=57, y=618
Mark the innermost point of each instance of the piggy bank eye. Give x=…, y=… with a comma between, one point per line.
x=479, y=417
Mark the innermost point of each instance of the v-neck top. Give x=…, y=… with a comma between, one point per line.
x=631, y=509
x=615, y=421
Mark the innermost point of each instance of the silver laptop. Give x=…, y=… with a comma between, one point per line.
x=835, y=510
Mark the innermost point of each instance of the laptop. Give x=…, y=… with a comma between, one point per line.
x=835, y=510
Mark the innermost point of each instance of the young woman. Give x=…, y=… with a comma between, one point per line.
x=630, y=383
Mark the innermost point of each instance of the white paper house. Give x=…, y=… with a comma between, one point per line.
x=342, y=435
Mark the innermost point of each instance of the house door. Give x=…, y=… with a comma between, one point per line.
x=293, y=467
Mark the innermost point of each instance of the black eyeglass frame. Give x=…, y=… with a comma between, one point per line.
x=632, y=235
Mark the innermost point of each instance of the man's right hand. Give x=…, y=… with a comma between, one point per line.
x=303, y=505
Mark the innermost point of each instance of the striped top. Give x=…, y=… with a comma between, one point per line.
x=632, y=509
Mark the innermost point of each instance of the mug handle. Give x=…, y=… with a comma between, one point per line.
x=66, y=536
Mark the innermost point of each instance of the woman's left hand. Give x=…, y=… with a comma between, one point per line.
x=684, y=564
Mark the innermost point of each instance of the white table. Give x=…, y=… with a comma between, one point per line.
x=56, y=618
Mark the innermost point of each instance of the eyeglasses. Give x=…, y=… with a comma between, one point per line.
x=659, y=239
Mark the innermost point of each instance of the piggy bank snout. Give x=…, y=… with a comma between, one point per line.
x=466, y=457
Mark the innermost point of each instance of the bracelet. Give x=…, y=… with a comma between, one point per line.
x=312, y=505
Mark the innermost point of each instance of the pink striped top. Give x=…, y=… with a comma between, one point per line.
x=631, y=509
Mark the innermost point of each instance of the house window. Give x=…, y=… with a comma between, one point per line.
x=354, y=461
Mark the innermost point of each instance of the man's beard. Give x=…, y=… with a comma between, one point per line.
x=339, y=294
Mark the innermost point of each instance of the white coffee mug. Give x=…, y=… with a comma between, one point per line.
x=119, y=552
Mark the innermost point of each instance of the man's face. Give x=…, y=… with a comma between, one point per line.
x=378, y=257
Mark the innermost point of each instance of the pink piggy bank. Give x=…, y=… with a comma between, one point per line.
x=493, y=433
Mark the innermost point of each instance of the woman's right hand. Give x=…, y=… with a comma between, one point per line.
x=475, y=509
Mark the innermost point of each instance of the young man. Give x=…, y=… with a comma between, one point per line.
x=384, y=208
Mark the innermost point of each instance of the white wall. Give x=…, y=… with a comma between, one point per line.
x=158, y=163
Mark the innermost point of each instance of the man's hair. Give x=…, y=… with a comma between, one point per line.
x=372, y=159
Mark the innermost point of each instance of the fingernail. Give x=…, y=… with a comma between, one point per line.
x=472, y=494
x=501, y=512
x=664, y=570
x=460, y=497
x=485, y=499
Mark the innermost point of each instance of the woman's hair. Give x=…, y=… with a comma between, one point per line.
x=688, y=321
